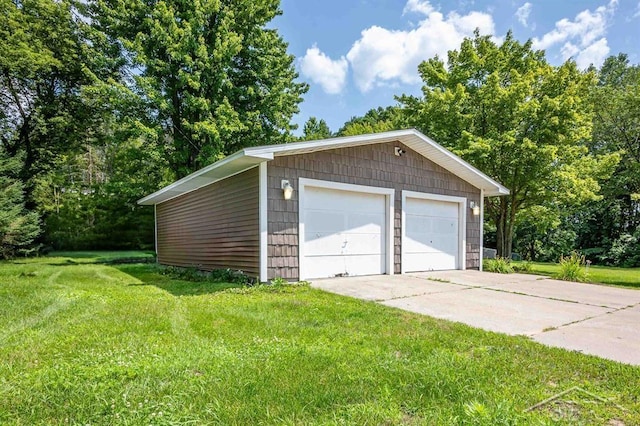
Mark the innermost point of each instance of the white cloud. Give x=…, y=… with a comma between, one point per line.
x=583, y=38
x=417, y=6
x=389, y=57
x=330, y=74
x=637, y=14
x=595, y=54
x=523, y=13
x=385, y=57
x=569, y=49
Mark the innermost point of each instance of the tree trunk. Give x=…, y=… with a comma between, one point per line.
x=505, y=223
x=532, y=250
x=509, y=239
x=501, y=222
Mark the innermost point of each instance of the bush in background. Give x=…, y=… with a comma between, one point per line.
x=625, y=251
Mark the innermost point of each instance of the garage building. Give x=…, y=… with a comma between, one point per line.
x=384, y=203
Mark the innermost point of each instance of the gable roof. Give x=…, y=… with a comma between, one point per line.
x=251, y=157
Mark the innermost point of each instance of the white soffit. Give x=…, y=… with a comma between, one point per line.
x=250, y=157
x=219, y=170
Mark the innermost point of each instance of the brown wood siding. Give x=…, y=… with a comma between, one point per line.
x=371, y=165
x=213, y=227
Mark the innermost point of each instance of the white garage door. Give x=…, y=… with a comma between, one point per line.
x=344, y=233
x=431, y=239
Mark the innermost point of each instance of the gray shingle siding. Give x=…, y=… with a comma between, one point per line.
x=370, y=165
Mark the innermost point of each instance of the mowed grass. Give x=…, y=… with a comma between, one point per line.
x=100, y=256
x=99, y=344
x=628, y=277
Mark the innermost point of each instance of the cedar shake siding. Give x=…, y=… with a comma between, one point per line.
x=213, y=227
x=370, y=165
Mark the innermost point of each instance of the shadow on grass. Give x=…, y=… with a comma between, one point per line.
x=97, y=261
x=148, y=275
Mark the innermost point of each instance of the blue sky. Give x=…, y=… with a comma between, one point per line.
x=357, y=54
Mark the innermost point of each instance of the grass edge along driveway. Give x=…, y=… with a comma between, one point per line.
x=625, y=277
x=100, y=344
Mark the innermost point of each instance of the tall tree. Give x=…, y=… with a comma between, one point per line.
x=315, y=129
x=375, y=120
x=617, y=129
x=18, y=227
x=217, y=78
x=46, y=59
x=520, y=120
x=607, y=224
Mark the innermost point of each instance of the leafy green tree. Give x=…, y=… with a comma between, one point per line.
x=606, y=226
x=315, y=129
x=46, y=58
x=520, y=120
x=216, y=77
x=89, y=200
x=376, y=120
x=18, y=227
x=617, y=129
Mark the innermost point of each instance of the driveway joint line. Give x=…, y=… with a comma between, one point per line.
x=586, y=319
x=435, y=280
x=543, y=297
x=426, y=293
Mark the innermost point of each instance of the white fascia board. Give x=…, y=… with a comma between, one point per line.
x=410, y=137
x=328, y=143
x=235, y=163
x=490, y=185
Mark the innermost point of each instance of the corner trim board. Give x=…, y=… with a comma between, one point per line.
x=263, y=218
x=155, y=229
x=481, y=227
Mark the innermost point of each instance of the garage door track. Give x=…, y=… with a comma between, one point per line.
x=594, y=319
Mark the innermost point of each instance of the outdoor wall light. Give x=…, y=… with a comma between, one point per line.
x=287, y=189
x=475, y=207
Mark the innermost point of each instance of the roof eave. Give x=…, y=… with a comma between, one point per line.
x=219, y=170
x=498, y=191
x=250, y=157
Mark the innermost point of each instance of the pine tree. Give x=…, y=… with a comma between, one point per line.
x=18, y=228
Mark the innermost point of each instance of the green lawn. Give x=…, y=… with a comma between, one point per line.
x=84, y=343
x=101, y=256
x=629, y=277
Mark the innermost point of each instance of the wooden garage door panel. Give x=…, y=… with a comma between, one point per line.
x=328, y=244
x=431, y=244
x=432, y=262
x=331, y=199
x=436, y=208
x=335, y=221
x=431, y=235
x=353, y=265
x=344, y=232
x=323, y=221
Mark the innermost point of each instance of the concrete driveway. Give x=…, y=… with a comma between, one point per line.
x=593, y=319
